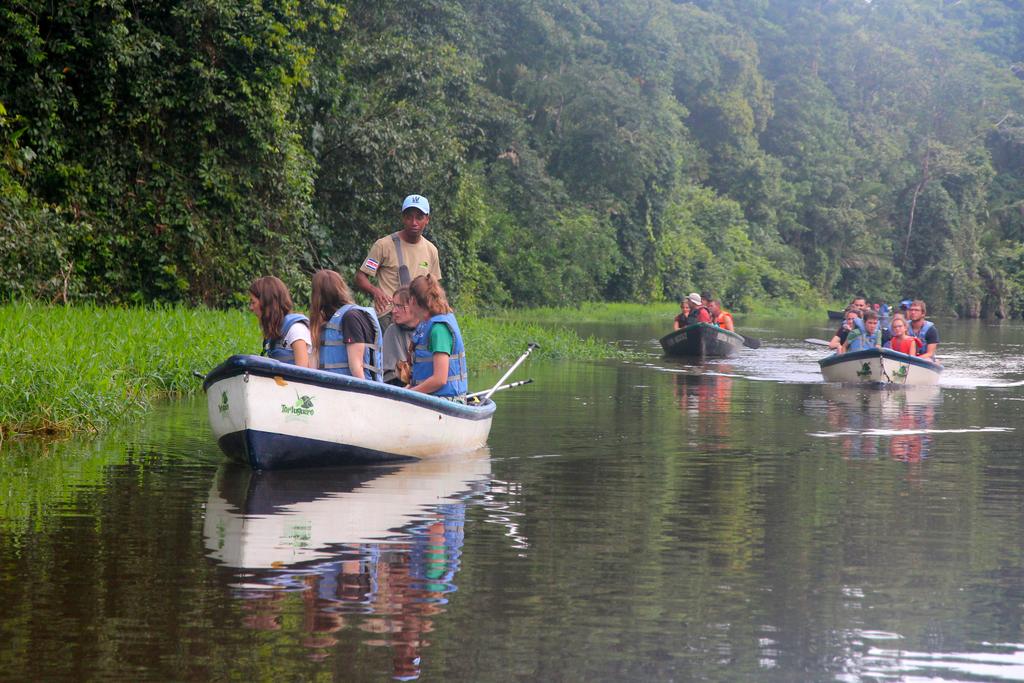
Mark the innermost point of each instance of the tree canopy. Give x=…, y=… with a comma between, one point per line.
x=572, y=150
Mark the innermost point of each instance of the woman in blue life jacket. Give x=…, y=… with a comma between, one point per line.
x=347, y=337
x=439, y=354
x=286, y=334
x=870, y=337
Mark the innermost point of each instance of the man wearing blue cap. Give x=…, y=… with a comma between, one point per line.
x=397, y=259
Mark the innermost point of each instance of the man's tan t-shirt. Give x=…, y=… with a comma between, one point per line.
x=382, y=263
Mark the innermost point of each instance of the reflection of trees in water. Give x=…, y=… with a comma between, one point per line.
x=390, y=590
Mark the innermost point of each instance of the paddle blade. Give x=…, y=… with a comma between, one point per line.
x=751, y=342
x=816, y=342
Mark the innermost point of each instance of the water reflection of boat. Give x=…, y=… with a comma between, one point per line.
x=272, y=415
x=282, y=518
x=869, y=421
x=701, y=340
x=707, y=398
x=884, y=399
x=373, y=551
x=879, y=366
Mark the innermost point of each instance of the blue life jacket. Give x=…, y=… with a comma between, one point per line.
x=423, y=357
x=333, y=356
x=275, y=348
x=920, y=334
x=863, y=341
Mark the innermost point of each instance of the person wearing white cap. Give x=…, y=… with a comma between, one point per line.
x=395, y=260
x=698, y=311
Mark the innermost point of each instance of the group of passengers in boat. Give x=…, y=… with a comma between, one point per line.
x=910, y=333
x=408, y=338
x=701, y=308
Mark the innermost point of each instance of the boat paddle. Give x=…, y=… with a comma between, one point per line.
x=750, y=342
x=817, y=342
x=529, y=347
x=475, y=396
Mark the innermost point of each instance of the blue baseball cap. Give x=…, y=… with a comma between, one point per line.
x=416, y=201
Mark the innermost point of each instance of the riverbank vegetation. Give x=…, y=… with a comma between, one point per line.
x=662, y=312
x=573, y=150
x=657, y=313
x=84, y=367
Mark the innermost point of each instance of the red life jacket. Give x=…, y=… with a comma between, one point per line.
x=699, y=314
x=907, y=345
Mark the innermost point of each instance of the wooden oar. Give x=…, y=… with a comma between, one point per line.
x=817, y=342
x=750, y=342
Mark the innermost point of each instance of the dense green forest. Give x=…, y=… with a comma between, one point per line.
x=573, y=150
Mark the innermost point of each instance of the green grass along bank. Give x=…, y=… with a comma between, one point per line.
x=84, y=368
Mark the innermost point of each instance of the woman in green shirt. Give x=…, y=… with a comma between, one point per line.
x=439, y=354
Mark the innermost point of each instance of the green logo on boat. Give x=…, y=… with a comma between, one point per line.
x=303, y=406
x=901, y=372
x=300, y=534
x=223, y=407
x=865, y=371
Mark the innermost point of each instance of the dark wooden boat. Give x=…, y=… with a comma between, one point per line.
x=701, y=340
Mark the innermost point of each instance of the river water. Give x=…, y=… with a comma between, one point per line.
x=736, y=520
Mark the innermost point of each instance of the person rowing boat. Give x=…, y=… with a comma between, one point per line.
x=720, y=317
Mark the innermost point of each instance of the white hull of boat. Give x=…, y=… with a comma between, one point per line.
x=879, y=366
x=271, y=415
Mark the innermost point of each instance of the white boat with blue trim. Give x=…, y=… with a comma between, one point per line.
x=879, y=367
x=272, y=415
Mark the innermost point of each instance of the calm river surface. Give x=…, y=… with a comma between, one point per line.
x=651, y=520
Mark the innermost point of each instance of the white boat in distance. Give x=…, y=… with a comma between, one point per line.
x=272, y=415
x=879, y=367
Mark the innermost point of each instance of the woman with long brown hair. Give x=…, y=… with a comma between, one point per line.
x=347, y=336
x=439, y=354
x=684, y=313
x=286, y=334
x=397, y=338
